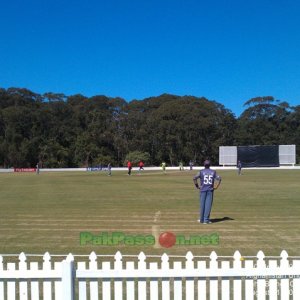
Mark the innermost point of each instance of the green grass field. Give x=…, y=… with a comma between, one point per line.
x=259, y=210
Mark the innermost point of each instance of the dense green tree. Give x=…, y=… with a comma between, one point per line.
x=136, y=156
x=293, y=130
x=263, y=122
x=71, y=131
x=186, y=129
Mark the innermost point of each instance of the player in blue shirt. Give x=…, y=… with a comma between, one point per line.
x=109, y=169
x=239, y=166
x=207, y=186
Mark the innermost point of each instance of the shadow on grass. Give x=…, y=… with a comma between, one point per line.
x=221, y=219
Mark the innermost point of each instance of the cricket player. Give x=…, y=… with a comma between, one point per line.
x=37, y=169
x=129, y=166
x=141, y=166
x=109, y=169
x=181, y=168
x=191, y=165
x=207, y=186
x=239, y=166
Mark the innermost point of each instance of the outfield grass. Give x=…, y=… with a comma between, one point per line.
x=256, y=211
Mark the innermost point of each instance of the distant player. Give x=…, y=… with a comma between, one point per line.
x=191, y=165
x=239, y=166
x=181, y=168
x=109, y=169
x=37, y=169
x=163, y=166
x=141, y=166
x=129, y=166
x=207, y=180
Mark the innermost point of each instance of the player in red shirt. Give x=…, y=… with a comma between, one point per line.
x=141, y=165
x=129, y=166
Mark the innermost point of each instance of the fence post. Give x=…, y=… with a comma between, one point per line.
x=189, y=283
x=47, y=286
x=237, y=283
x=261, y=282
x=94, y=289
x=284, y=282
x=23, y=288
x=213, y=282
x=142, y=287
x=68, y=278
x=118, y=286
x=165, y=266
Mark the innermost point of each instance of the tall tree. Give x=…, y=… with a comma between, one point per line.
x=263, y=122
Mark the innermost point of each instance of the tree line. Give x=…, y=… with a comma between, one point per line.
x=55, y=130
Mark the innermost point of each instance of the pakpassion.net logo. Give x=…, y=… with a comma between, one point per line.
x=166, y=239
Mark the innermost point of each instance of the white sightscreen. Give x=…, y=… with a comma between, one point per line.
x=227, y=155
x=287, y=154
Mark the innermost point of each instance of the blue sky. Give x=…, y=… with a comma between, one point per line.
x=227, y=51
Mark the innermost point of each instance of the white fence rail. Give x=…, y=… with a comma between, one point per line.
x=139, y=277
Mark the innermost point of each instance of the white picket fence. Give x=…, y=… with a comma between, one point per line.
x=153, y=277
